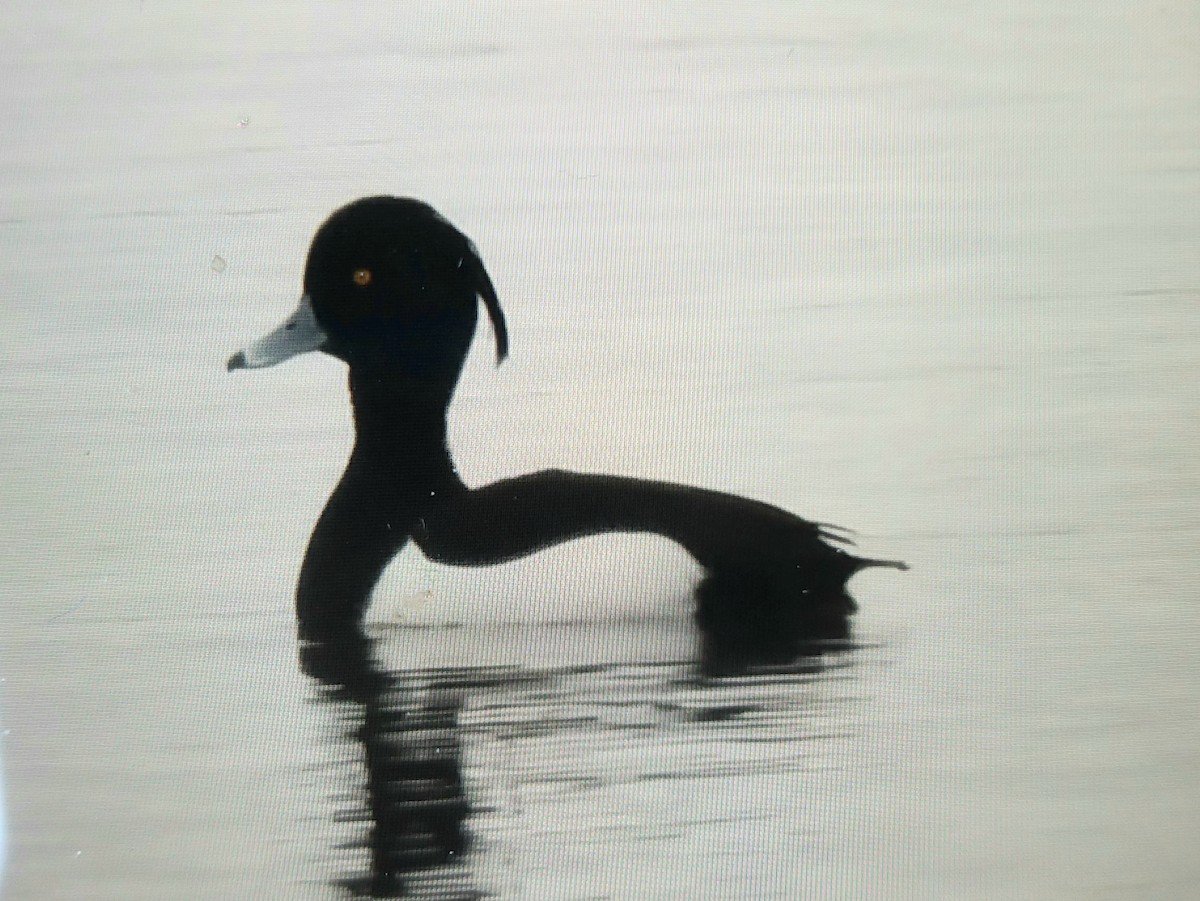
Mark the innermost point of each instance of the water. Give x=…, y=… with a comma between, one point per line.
x=929, y=275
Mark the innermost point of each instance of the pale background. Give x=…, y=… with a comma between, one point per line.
x=928, y=271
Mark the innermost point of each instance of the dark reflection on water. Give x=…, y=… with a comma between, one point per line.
x=406, y=729
x=405, y=726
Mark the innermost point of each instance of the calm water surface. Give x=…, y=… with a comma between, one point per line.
x=927, y=275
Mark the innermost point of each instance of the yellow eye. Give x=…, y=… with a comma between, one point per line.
x=362, y=277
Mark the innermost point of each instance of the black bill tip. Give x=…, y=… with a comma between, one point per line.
x=237, y=361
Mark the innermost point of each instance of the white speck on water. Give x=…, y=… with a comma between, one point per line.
x=218, y=263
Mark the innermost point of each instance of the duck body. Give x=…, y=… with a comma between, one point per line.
x=393, y=289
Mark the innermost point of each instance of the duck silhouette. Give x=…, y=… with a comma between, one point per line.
x=393, y=289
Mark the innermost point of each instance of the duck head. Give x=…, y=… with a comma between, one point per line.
x=391, y=288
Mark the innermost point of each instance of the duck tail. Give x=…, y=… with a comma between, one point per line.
x=835, y=533
x=861, y=563
x=841, y=535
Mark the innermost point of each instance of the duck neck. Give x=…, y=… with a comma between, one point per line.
x=400, y=433
x=399, y=464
